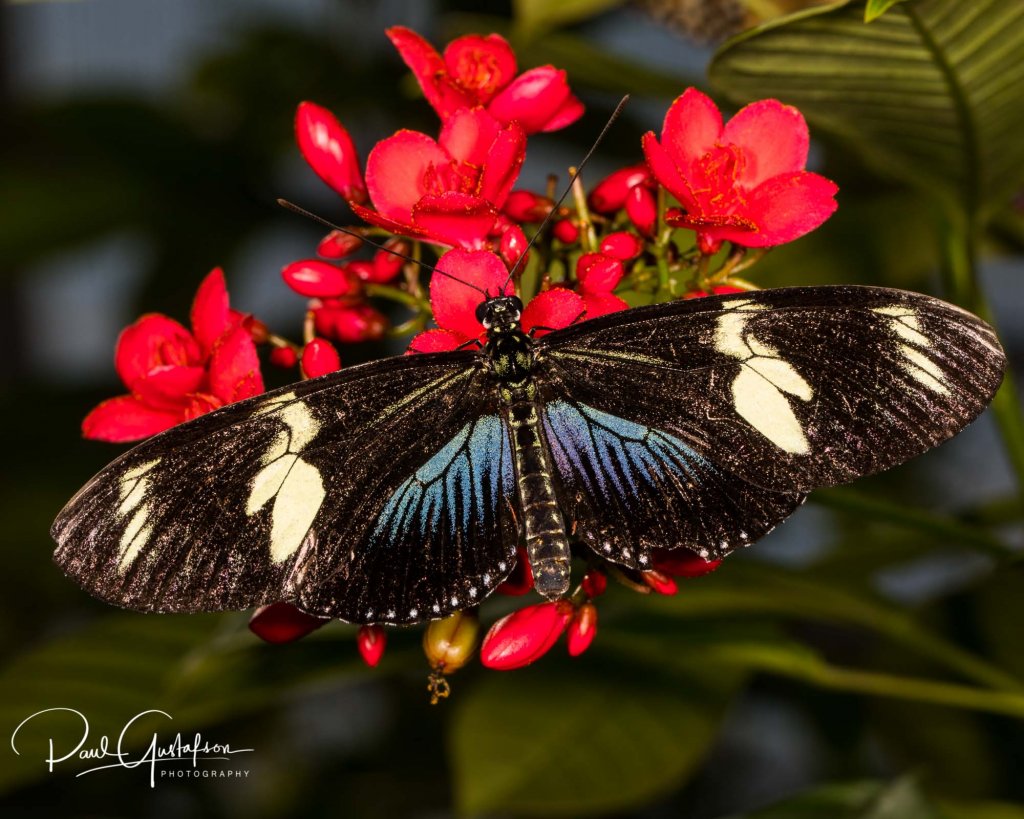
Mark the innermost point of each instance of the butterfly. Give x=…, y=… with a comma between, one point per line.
x=398, y=491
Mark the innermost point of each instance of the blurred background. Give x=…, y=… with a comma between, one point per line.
x=864, y=660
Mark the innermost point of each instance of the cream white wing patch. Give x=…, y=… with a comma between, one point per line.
x=905, y=324
x=294, y=485
x=134, y=487
x=763, y=391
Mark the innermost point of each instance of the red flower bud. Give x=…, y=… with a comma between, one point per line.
x=609, y=195
x=622, y=245
x=284, y=357
x=660, y=582
x=526, y=206
x=513, y=245
x=683, y=563
x=449, y=643
x=708, y=245
x=387, y=265
x=642, y=209
x=598, y=273
x=520, y=580
x=283, y=623
x=350, y=323
x=329, y=150
x=319, y=358
x=371, y=641
x=316, y=279
x=594, y=583
x=338, y=245
x=524, y=636
x=566, y=231
x=582, y=629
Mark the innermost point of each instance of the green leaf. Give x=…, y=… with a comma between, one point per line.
x=932, y=93
x=553, y=742
x=876, y=8
x=981, y=810
x=533, y=16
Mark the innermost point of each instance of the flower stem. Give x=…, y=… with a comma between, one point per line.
x=587, y=236
x=386, y=291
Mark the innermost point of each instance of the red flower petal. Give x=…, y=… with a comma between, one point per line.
x=396, y=171
x=533, y=99
x=526, y=206
x=201, y=403
x=660, y=582
x=582, y=629
x=436, y=341
x=513, y=246
x=153, y=341
x=572, y=109
x=597, y=273
x=601, y=304
x=501, y=169
x=468, y=135
x=283, y=623
x=430, y=72
x=319, y=358
x=785, y=208
x=595, y=582
x=371, y=641
x=773, y=138
x=525, y=635
x=329, y=150
x=480, y=65
x=167, y=387
x=235, y=367
x=456, y=219
x=127, y=418
x=692, y=126
x=453, y=301
x=609, y=195
x=552, y=310
x=316, y=279
x=211, y=313
x=665, y=171
x=683, y=563
x=391, y=225
x=520, y=579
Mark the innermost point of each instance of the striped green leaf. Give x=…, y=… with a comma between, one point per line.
x=931, y=93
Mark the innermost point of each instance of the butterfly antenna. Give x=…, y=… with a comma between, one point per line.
x=568, y=188
x=284, y=203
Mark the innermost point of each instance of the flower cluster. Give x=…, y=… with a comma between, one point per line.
x=702, y=203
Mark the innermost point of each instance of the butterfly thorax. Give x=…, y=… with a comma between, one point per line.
x=508, y=348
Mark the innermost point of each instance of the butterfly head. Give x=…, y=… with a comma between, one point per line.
x=500, y=314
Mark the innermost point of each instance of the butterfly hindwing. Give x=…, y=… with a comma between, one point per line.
x=627, y=489
x=788, y=389
x=268, y=498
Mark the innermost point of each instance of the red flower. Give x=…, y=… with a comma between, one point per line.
x=455, y=303
x=319, y=358
x=525, y=635
x=610, y=194
x=598, y=276
x=329, y=150
x=481, y=71
x=284, y=623
x=582, y=629
x=173, y=375
x=371, y=642
x=683, y=563
x=348, y=323
x=743, y=183
x=448, y=191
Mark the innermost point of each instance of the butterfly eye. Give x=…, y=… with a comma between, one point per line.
x=517, y=304
x=481, y=311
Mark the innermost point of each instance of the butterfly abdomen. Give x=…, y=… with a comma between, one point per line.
x=542, y=524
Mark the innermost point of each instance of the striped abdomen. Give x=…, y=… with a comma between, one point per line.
x=542, y=525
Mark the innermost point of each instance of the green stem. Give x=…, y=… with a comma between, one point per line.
x=386, y=291
x=874, y=509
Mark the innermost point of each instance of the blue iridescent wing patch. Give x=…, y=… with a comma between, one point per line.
x=628, y=488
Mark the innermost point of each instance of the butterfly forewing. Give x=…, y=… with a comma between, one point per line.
x=269, y=498
x=788, y=389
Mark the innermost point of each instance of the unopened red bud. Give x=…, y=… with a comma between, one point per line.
x=316, y=279
x=329, y=150
x=524, y=636
x=642, y=209
x=660, y=582
x=283, y=623
x=708, y=245
x=338, y=245
x=350, y=323
x=520, y=579
x=449, y=643
x=257, y=329
x=598, y=274
x=622, y=245
x=526, y=206
x=609, y=195
x=371, y=641
x=595, y=582
x=683, y=563
x=386, y=265
x=512, y=246
x=319, y=358
x=566, y=231
x=582, y=629
x=284, y=357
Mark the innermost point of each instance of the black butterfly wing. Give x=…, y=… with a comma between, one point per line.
x=291, y=492
x=778, y=391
